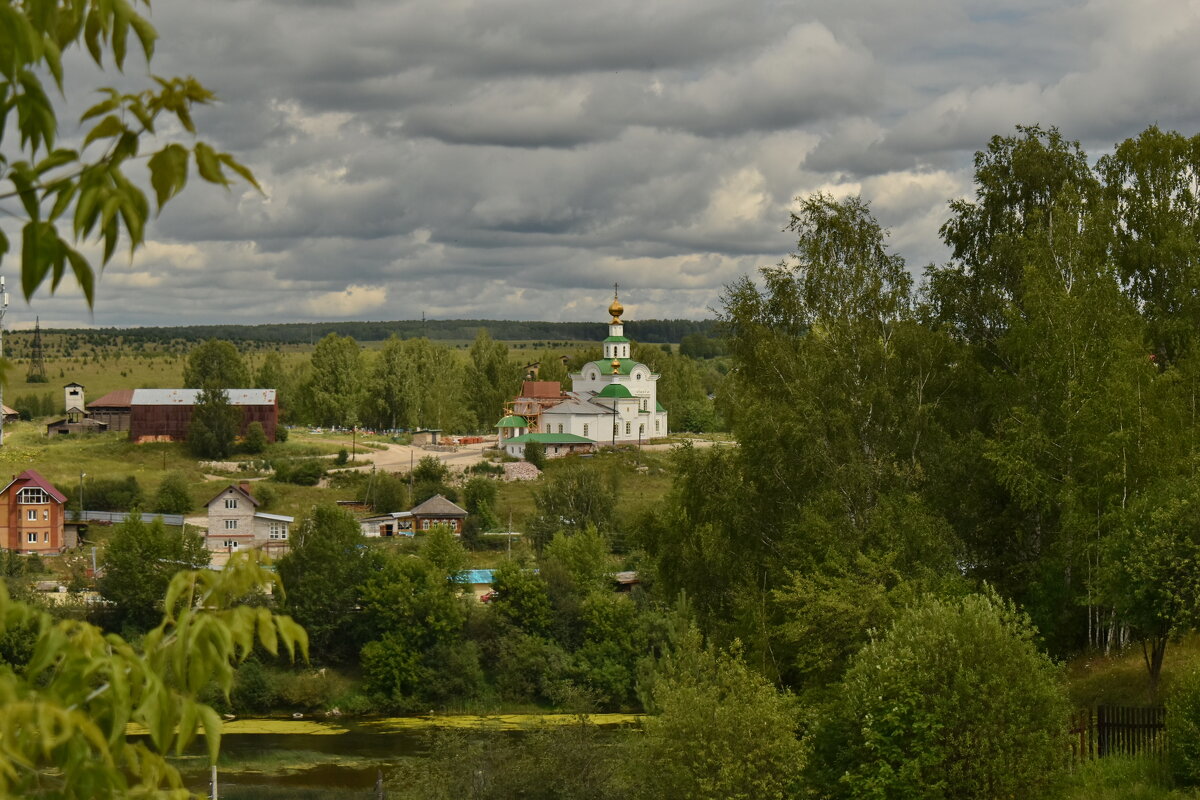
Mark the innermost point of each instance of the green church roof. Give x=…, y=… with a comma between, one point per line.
x=549, y=438
x=615, y=390
x=605, y=367
x=513, y=421
x=615, y=339
x=659, y=406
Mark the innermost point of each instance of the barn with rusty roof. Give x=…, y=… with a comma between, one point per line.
x=160, y=415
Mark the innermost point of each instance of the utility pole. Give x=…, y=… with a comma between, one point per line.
x=3, y=309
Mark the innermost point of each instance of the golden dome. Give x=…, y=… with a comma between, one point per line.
x=616, y=310
x=616, y=365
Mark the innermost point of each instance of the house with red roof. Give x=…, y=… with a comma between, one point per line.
x=32, y=513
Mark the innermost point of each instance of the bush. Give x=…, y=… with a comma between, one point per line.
x=1183, y=728
x=955, y=701
x=342, y=457
x=281, y=434
x=253, y=689
x=306, y=472
x=311, y=690
x=722, y=730
x=535, y=454
x=256, y=439
x=108, y=494
x=173, y=495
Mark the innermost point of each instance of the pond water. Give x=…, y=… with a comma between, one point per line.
x=286, y=758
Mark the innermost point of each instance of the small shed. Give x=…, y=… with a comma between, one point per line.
x=425, y=436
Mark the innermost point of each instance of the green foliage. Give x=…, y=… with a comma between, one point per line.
x=342, y=457
x=324, y=573
x=385, y=492
x=87, y=190
x=494, y=380
x=953, y=701
x=575, y=498
x=63, y=731
x=215, y=364
x=1151, y=579
x=174, y=495
x=431, y=469
x=107, y=494
x=479, y=499
x=720, y=731
x=214, y=425
x=281, y=434
x=302, y=472
x=256, y=439
x=1183, y=728
x=139, y=562
x=550, y=368
x=521, y=598
x=413, y=606
x=535, y=453
x=332, y=392
x=417, y=384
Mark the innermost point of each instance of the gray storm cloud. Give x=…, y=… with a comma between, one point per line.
x=514, y=157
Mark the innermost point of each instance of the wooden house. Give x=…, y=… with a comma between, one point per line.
x=437, y=510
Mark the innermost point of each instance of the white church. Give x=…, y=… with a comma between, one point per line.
x=612, y=401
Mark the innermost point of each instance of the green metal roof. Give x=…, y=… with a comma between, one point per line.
x=659, y=406
x=615, y=390
x=513, y=421
x=549, y=438
x=605, y=367
x=613, y=339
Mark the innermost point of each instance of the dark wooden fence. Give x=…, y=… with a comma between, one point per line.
x=1118, y=730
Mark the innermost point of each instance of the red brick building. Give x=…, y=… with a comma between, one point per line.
x=165, y=414
x=32, y=513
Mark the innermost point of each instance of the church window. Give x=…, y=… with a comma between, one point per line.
x=641, y=431
x=559, y=428
x=585, y=429
x=615, y=429
x=655, y=426
x=628, y=426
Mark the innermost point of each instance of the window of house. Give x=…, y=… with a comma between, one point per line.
x=31, y=515
x=426, y=524
x=46, y=536
x=231, y=524
x=45, y=513
x=231, y=502
x=230, y=544
x=628, y=428
x=32, y=496
x=585, y=427
x=31, y=538
x=278, y=530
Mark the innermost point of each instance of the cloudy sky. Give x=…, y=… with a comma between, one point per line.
x=512, y=158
